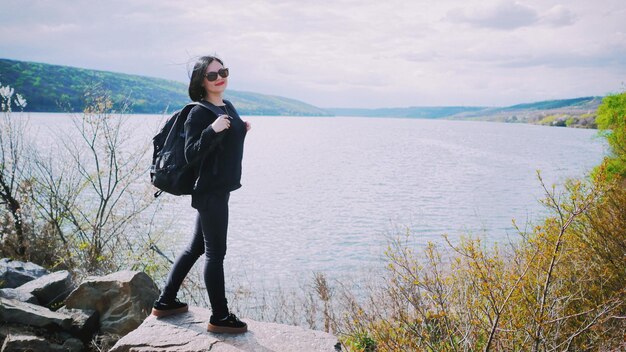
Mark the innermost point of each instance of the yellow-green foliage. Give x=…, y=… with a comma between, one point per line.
x=560, y=287
x=555, y=120
x=611, y=121
x=548, y=119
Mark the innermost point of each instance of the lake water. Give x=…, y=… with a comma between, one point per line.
x=322, y=194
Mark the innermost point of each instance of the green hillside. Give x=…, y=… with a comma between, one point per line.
x=577, y=112
x=423, y=112
x=486, y=113
x=53, y=88
x=584, y=102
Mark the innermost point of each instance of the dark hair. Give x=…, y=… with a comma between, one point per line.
x=196, y=90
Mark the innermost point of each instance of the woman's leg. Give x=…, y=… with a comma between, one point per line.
x=214, y=220
x=183, y=264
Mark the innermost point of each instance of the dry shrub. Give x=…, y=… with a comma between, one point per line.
x=559, y=288
x=82, y=204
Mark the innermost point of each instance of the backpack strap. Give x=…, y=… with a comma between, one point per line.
x=209, y=106
x=218, y=139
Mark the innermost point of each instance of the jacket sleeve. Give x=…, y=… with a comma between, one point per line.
x=199, y=134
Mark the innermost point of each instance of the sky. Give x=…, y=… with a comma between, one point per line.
x=341, y=53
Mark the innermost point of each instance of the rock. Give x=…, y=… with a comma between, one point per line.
x=14, y=273
x=51, y=288
x=13, y=311
x=7, y=329
x=73, y=345
x=24, y=342
x=85, y=322
x=4, y=331
x=187, y=332
x=15, y=294
x=69, y=342
x=122, y=299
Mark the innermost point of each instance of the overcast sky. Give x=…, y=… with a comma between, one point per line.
x=341, y=53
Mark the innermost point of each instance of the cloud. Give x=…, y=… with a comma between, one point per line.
x=559, y=16
x=509, y=15
x=340, y=52
x=610, y=58
x=504, y=15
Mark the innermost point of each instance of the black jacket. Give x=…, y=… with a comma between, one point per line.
x=220, y=170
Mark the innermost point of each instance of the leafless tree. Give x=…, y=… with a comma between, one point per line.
x=12, y=178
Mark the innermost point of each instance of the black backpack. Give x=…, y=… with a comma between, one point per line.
x=170, y=171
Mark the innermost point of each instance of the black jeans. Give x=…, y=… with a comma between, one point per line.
x=209, y=238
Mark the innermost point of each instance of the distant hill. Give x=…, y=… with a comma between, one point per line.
x=437, y=112
x=53, y=88
x=578, y=112
x=584, y=103
x=422, y=112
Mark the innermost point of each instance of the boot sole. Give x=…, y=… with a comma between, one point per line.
x=163, y=313
x=226, y=330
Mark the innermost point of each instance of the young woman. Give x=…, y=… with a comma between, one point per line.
x=218, y=173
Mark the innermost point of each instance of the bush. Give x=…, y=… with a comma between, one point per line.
x=611, y=121
x=561, y=287
x=76, y=205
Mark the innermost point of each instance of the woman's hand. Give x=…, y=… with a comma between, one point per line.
x=221, y=123
x=248, y=126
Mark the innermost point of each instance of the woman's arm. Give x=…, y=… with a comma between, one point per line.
x=202, y=132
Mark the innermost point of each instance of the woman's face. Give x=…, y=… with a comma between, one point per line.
x=219, y=85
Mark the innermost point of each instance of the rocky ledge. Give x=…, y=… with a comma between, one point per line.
x=188, y=332
x=42, y=311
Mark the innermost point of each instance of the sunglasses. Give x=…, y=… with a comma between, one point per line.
x=212, y=76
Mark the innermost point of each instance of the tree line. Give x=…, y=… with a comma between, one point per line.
x=54, y=88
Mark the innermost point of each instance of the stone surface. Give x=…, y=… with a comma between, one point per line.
x=4, y=331
x=13, y=311
x=69, y=343
x=123, y=299
x=12, y=293
x=187, y=332
x=85, y=322
x=51, y=288
x=7, y=329
x=14, y=273
x=23, y=342
x=73, y=345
